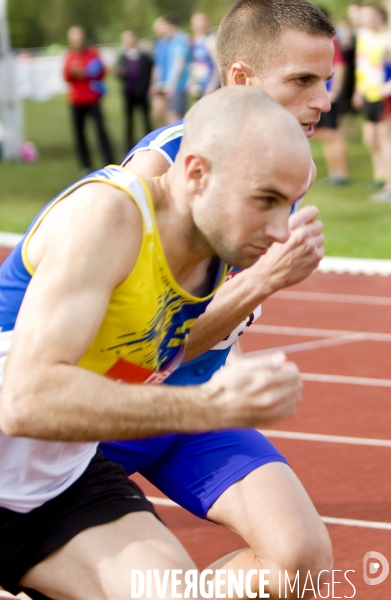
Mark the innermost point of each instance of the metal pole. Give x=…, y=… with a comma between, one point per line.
x=4, y=36
x=10, y=104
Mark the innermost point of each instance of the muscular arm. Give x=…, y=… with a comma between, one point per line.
x=79, y=259
x=87, y=252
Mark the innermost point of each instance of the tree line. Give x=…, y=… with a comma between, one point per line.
x=37, y=23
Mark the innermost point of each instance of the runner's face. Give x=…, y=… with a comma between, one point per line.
x=296, y=76
x=245, y=208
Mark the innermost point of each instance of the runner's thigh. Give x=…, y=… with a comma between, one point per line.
x=97, y=563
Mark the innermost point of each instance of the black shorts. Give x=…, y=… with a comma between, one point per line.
x=101, y=495
x=329, y=120
x=374, y=112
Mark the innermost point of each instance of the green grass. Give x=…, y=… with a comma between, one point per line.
x=353, y=226
x=26, y=187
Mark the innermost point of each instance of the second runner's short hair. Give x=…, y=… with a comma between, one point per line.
x=251, y=28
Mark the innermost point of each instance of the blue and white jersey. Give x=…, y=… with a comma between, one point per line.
x=165, y=140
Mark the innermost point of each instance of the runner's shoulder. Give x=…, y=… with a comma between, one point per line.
x=165, y=140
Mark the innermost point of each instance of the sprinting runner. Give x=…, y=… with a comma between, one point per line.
x=108, y=281
x=287, y=49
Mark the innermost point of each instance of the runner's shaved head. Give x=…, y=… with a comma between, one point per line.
x=221, y=123
x=243, y=162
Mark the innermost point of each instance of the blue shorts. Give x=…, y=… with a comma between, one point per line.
x=195, y=469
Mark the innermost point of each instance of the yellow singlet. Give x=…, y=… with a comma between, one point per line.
x=370, y=64
x=148, y=320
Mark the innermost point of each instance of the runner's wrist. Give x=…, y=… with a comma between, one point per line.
x=256, y=288
x=202, y=414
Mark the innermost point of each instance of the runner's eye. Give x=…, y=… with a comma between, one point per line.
x=267, y=201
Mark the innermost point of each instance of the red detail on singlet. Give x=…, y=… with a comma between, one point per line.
x=128, y=372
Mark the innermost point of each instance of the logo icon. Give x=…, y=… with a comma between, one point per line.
x=375, y=563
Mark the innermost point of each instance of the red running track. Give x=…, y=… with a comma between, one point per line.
x=346, y=481
x=330, y=326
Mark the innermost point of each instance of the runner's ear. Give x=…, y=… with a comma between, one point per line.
x=196, y=167
x=240, y=74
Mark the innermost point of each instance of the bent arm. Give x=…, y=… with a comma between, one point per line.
x=79, y=260
x=88, y=251
x=282, y=266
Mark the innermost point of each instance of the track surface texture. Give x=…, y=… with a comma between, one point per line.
x=337, y=328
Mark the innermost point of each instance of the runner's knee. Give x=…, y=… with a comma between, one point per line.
x=309, y=550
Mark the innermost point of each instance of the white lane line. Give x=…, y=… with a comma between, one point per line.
x=342, y=298
x=367, y=266
x=304, y=346
x=330, y=439
x=356, y=523
x=312, y=332
x=9, y=240
x=366, y=381
x=327, y=520
x=162, y=501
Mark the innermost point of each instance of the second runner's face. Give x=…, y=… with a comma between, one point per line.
x=296, y=76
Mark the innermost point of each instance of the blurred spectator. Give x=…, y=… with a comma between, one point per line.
x=84, y=71
x=354, y=15
x=369, y=95
x=329, y=129
x=204, y=75
x=134, y=68
x=179, y=58
x=160, y=72
x=346, y=35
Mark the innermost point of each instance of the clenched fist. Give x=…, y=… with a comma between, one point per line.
x=255, y=392
x=291, y=262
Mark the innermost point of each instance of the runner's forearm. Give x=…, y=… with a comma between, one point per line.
x=67, y=403
x=233, y=303
x=283, y=265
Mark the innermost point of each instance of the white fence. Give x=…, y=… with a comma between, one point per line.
x=40, y=77
x=11, y=132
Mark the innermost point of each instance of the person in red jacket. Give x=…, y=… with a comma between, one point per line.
x=84, y=71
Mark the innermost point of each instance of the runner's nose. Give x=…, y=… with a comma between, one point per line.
x=278, y=229
x=321, y=99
